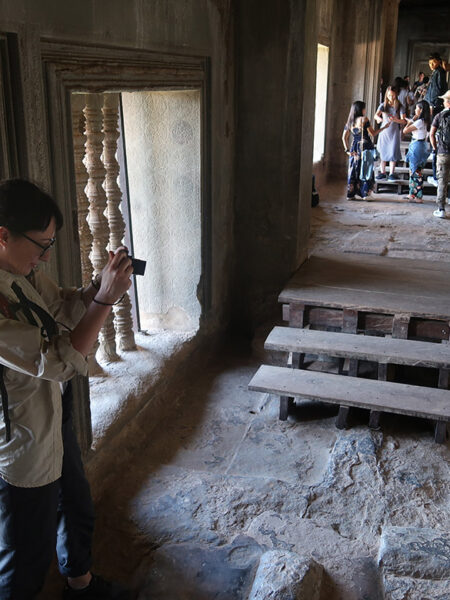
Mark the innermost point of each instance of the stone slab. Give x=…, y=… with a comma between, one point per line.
x=421, y=553
x=283, y=575
x=185, y=571
x=399, y=588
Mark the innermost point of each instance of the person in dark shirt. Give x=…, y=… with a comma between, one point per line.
x=419, y=81
x=440, y=140
x=437, y=86
x=436, y=89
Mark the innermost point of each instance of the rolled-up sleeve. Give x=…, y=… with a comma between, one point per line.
x=65, y=304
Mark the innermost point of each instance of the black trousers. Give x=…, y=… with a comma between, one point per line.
x=35, y=521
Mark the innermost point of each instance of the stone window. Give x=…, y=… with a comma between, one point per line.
x=321, y=101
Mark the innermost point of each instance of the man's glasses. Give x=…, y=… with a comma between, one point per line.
x=43, y=248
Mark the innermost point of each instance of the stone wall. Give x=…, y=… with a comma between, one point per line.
x=259, y=197
x=276, y=43
x=356, y=56
x=202, y=28
x=175, y=38
x=162, y=138
x=417, y=25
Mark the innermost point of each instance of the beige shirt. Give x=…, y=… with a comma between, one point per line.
x=34, y=369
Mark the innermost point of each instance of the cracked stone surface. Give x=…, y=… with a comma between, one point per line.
x=404, y=588
x=420, y=553
x=283, y=575
x=299, y=486
x=388, y=225
x=189, y=504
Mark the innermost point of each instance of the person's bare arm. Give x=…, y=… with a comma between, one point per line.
x=400, y=121
x=115, y=282
x=345, y=138
x=374, y=132
x=433, y=137
x=409, y=127
x=88, y=293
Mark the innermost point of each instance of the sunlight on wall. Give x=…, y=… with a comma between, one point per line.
x=162, y=138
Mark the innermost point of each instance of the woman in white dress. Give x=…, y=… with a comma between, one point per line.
x=391, y=112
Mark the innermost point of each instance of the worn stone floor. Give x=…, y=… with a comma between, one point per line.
x=191, y=506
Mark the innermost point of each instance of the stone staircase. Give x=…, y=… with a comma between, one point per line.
x=377, y=396
x=401, y=184
x=389, y=315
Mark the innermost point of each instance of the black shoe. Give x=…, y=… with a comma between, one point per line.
x=98, y=589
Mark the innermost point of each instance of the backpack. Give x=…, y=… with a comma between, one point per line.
x=443, y=132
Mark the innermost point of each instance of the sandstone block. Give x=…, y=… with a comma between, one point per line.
x=419, y=553
x=284, y=575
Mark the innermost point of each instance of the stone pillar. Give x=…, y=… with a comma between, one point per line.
x=374, y=57
x=355, y=66
x=81, y=180
x=389, y=33
x=122, y=312
x=97, y=205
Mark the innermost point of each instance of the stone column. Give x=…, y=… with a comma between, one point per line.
x=81, y=180
x=389, y=38
x=122, y=312
x=97, y=205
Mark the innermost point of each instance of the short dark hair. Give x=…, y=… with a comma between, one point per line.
x=25, y=207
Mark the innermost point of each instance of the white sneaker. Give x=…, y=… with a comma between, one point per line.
x=432, y=181
x=439, y=213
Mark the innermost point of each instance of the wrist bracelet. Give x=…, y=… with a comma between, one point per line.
x=108, y=303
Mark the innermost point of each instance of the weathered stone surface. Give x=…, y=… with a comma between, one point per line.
x=418, y=553
x=283, y=575
x=290, y=532
x=185, y=571
x=344, y=498
x=401, y=588
x=415, y=475
x=366, y=579
x=204, y=507
x=368, y=242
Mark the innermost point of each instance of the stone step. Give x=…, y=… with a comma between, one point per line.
x=401, y=185
x=377, y=396
x=384, y=350
x=405, y=170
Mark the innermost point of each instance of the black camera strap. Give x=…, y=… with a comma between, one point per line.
x=49, y=328
x=5, y=410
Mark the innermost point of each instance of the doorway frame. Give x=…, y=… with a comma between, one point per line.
x=71, y=68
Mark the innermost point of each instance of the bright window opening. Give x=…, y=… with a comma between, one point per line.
x=321, y=102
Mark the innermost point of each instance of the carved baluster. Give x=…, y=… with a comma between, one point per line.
x=122, y=312
x=81, y=179
x=97, y=206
